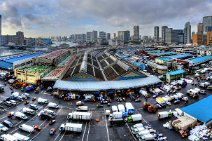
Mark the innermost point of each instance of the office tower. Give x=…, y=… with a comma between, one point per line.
x=200, y=28
x=89, y=37
x=209, y=38
x=163, y=30
x=108, y=36
x=174, y=36
x=94, y=36
x=207, y=24
x=102, y=34
x=187, y=33
x=156, y=33
x=136, y=33
x=114, y=36
x=19, y=38
x=124, y=36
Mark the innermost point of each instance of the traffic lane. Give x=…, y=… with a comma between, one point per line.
x=60, y=118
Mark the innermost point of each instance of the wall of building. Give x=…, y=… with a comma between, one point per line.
x=209, y=38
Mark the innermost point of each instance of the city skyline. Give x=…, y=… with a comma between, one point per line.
x=64, y=17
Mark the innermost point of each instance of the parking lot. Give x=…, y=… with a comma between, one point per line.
x=92, y=130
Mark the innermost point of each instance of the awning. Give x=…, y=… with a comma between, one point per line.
x=201, y=110
x=106, y=85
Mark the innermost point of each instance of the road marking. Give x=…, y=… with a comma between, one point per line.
x=89, y=126
x=19, y=123
x=41, y=130
x=14, y=130
x=131, y=132
x=62, y=136
x=3, y=117
x=84, y=131
x=57, y=137
x=107, y=128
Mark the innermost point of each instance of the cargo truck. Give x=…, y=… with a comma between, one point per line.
x=134, y=118
x=21, y=137
x=129, y=108
x=121, y=108
x=71, y=127
x=164, y=114
x=79, y=115
x=8, y=137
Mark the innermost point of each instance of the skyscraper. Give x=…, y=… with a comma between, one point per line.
x=94, y=36
x=102, y=34
x=19, y=38
x=136, y=33
x=124, y=36
x=108, y=36
x=207, y=24
x=163, y=31
x=89, y=37
x=0, y=25
x=187, y=33
x=200, y=28
x=156, y=33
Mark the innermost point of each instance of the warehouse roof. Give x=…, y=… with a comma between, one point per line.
x=38, y=69
x=178, y=56
x=105, y=85
x=21, y=57
x=176, y=72
x=201, y=110
x=202, y=59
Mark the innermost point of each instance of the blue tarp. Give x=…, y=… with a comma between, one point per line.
x=201, y=59
x=176, y=72
x=22, y=57
x=201, y=110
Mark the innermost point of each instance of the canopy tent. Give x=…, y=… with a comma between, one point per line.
x=201, y=110
x=106, y=85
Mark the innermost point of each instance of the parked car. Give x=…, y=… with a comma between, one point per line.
x=3, y=128
x=7, y=103
x=33, y=107
x=13, y=102
x=202, y=92
x=209, y=87
x=7, y=123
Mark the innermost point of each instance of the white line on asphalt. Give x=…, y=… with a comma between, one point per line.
x=89, y=126
x=107, y=127
x=40, y=131
x=62, y=136
x=57, y=137
x=19, y=123
x=14, y=130
x=131, y=132
x=3, y=117
x=84, y=131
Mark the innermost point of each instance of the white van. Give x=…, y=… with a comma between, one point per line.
x=121, y=108
x=21, y=137
x=28, y=111
x=53, y=105
x=114, y=108
x=20, y=115
x=42, y=101
x=26, y=128
x=8, y=137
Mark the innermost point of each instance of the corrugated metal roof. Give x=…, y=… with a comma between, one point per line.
x=105, y=85
x=176, y=72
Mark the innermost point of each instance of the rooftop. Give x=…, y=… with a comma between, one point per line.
x=38, y=69
x=176, y=72
x=12, y=59
x=200, y=59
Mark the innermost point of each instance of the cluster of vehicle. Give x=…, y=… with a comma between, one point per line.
x=146, y=133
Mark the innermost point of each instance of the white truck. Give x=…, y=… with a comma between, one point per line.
x=42, y=101
x=20, y=115
x=21, y=137
x=129, y=108
x=134, y=118
x=71, y=127
x=82, y=108
x=28, y=111
x=114, y=108
x=8, y=137
x=53, y=105
x=121, y=108
x=164, y=114
x=79, y=115
x=148, y=137
x=116, y=115
x=26, y=128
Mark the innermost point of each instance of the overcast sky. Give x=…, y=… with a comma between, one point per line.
x=64, y=17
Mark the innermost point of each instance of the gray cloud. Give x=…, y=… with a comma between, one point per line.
x=109, y=15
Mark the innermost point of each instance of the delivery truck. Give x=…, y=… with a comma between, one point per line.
x=164, y=114
x=8, y=137
x=134, y=118
x=121, y=108
x=71, y=127
x=21, y=137
x=114, y=108
x=129, y=108
x=116, y=115
x=79, y=115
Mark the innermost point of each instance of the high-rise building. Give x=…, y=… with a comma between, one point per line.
x=124, y=36
x=114, y=36
x=19, y=38
x=136, y=33
x=89, y=37
x=174, y=36
x=187, y=33
x=200, y=28
x=156, y=33
x=209, y=38
x=108, y=36
x=94, y=36
x=163, y=30
x=102, y=34
x=0, y=25
x=207, y=24
x=197, y=39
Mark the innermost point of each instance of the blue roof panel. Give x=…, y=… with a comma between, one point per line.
x=202, y=110
x=176, y=72
x=22, y=57
x=201, y=59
